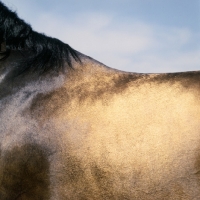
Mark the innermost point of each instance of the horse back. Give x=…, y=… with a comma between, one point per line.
x=103, y=134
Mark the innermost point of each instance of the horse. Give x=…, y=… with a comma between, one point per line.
x=73, y=128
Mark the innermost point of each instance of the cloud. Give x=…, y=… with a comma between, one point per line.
x=130, y=45
x=95, y=35
x=188, y=61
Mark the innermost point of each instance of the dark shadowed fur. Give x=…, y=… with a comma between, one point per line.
x=44, y=52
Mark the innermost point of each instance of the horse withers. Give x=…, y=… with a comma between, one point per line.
x=73, y=128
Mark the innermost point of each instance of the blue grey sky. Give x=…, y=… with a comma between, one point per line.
x=130, y=35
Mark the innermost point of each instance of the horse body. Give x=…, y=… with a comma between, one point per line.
x=98, y=133
x=137, y=141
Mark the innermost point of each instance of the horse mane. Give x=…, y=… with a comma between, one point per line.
x=46, y=53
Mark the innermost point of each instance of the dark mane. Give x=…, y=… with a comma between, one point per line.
x=46, y=52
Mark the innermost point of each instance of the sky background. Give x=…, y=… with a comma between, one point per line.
x=131, y=35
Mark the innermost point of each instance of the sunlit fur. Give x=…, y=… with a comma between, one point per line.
x=97, y=133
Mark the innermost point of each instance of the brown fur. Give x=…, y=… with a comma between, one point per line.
x=101, y=134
